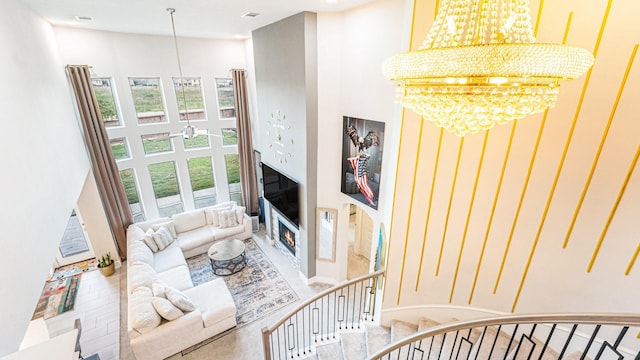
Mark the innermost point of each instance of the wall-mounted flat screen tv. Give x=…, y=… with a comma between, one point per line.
x=281, y=192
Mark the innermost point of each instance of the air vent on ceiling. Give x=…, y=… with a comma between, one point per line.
x=250, y=15
x=83, y=18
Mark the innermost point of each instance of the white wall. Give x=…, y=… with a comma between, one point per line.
x=351, y=48
x=120, y=56
x=43, y=160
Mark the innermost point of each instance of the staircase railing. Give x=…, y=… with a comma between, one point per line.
x=539, y=336
x=318, y=319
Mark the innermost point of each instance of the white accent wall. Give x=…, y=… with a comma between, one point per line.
x=43, y=161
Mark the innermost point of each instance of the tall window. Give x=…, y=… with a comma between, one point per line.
x=189, y=92
x=202, y=183
x=147, y=99
x=131, y=189
x=233, y=177
x=165, y=188
x=106, y=101
x=226, y=100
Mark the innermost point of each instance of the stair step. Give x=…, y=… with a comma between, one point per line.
x=425, y=323
x=353, y=345
x=329, y=351
x=576, y=356
x=377, y=337
x=533, y=347
x=401, y=330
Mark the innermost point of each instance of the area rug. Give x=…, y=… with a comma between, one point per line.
x=74, y=269
x=58, y=296
x=258, y=290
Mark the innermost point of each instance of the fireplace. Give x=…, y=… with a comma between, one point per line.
x=287, y=238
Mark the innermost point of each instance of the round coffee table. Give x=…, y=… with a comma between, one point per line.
x=227, y=257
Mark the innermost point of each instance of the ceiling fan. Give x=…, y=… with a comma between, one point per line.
x=189, y=131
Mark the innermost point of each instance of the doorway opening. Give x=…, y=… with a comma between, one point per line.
x=360, y=236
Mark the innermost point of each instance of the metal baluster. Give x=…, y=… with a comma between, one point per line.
x=506, y=352
x=495, y=340
x=453, y=347
x=278, y=337
x=480, y=342
x=546, y=343
x=620, y=336
x=593, y=336
x=566, y=344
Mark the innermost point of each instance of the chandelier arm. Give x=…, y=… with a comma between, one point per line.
x=175, y=42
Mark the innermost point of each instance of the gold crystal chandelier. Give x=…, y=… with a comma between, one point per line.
x=480, y=66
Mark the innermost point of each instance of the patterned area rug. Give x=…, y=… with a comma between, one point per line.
x=58, y=296
x=73, y=269
x=258, y=290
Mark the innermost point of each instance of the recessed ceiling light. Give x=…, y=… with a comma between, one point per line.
x=250, y=15
x=83, y=18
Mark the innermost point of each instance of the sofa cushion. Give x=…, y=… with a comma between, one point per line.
x=214, y=301
x=168, y=258
x=166, y=309
x=144, y=225
x=209, y=213
x=223, y=233
x=157, y=288
x=139, y=251
x=194, y=238
x=140, y=275
x=179, y=299
x=148, y=240
x=177, y=277
x=240, y=210
x=228, y=218
x=144, y=317
x=162, y=237
x=169, y=224
x=189, y=220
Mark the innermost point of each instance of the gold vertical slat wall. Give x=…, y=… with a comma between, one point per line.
x=502, y=220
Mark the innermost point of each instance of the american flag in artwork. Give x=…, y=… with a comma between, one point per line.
x=359, y=165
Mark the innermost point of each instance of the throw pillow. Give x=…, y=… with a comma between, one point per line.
x=162, y=237
x=157, y=287
x=227, y=218
x=166, y=309
x=148, y=239
x=179, y=299
x=143, y=315
x=240, y=213
x=169, y=224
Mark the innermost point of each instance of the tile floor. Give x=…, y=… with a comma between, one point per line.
x=101, y=307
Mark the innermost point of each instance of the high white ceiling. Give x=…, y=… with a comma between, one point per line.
x=194, y=18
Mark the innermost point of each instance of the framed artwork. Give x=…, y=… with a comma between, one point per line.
x=362, y=145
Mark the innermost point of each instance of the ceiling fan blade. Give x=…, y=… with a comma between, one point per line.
x=205, y=132
x=176, y=135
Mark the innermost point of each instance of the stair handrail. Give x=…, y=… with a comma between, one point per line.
x=560, y=318
x=268, y=330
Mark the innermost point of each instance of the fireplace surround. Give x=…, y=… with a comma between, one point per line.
x=287, y=237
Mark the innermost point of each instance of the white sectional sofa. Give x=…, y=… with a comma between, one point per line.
x=150, y=273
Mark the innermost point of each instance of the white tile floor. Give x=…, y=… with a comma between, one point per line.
x=97, y=306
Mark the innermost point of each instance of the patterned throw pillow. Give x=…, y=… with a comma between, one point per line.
x=148, y=239
x=162, y=237
x=227, y=218
x=179, y=299
x=169, y=224
x=240, y=213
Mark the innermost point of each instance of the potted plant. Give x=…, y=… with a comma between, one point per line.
x=106, y=265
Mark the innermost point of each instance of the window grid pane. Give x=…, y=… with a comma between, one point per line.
x=226, y=99
x=147, y=99
x=131, y=190
x=156, y=143
x=106, y=101
x=189, y=90
x=202, y=183
x=164, y=180
x=233, y=177
x=119, y=148
x=200, y=141
x=229, y=137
